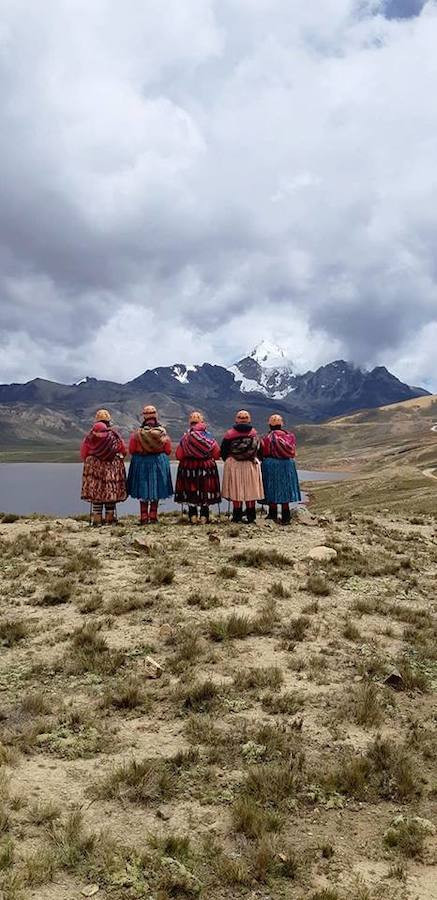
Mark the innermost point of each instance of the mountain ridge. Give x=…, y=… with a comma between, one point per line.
x=57, y=413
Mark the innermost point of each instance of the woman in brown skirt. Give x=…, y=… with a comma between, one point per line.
x=242, y=482
x=104, y=474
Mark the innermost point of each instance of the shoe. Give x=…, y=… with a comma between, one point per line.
x=144, y=513
x=110, y=518
x=272, y=515
x=204, y=515
x=251, y=515
x=97, y=520
x=192, y=515
x=286, y=517
x=237, y=515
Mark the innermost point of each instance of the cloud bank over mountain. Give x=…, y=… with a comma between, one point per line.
x=179, y=182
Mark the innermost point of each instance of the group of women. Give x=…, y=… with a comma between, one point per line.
x=256, y=469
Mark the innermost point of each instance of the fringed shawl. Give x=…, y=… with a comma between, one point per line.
x=102, y=444
x=152, y=438
x=197, y=444
x=280, y=445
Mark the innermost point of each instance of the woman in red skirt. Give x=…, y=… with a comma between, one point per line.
x=104, y=474
x=197, y=481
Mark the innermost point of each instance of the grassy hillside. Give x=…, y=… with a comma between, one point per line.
x=277, y=756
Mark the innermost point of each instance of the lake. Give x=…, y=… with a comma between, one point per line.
x=54, y=489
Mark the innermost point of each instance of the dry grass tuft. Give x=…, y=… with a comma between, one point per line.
x=259, y=559
x=318, y=585
x=12, y=631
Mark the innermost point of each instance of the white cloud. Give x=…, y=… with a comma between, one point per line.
x=180, y=183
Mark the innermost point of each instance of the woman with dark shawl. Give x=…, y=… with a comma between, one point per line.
x=242, y=481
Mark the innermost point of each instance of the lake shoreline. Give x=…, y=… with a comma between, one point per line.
x=54, y=489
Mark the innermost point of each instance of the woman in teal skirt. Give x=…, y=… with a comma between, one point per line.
x=149, y=477
x=281, y=483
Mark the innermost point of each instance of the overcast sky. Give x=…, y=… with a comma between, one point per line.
x=181, y=179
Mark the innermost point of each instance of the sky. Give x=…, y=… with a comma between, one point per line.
x=181, y=180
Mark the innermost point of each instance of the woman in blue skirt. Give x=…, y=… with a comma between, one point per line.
x=281, y=484
x=149, y=478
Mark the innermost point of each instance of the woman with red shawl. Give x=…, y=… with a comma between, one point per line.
x=104, y=474
x=197, y=481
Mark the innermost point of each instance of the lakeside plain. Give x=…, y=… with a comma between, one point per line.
x=289, y=748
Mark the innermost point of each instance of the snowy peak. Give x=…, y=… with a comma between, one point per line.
x=267, y=370
x=181, y=373
x=270, y=356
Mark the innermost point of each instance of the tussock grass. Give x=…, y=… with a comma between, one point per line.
x=365, y=705
x=226, y=572
x=127, y=693
x=188, y=648
x=203, y=601
x=350, y=631
x=407, y=837
x=234, y=627
x=251, y=819
x=279, y=590
x=12, y=631
x=318, y=585
x=145, y=781
x=82, y=562
x=42, y=813
x=91, y=604
x=72, y=843
x=201, y=696
x=287, y=704
x=266, y=617
x=162, y=574
x=118, y=606
x=387, y=771
x=36, y=703
x=259, y=558
x=255, y=678
x=60, y=592
x=295, y=630
x=89, y=652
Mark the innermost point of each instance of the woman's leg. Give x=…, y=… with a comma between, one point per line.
x=192, y=514
x=204, y=514
x=97, y=517
x=144, y=512
x=286, y=515
x=273, y=512
x=153, y=515
x=237, y=510
x=110, y=514
x=250, y=511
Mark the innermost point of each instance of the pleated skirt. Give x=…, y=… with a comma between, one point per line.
x=149, y=477
x=242, y=480
x=103, y=481
x=281, y=483
x=197, y=482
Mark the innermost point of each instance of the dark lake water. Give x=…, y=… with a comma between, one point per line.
x=54, y=489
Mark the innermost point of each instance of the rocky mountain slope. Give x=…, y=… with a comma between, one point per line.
x=53, y=414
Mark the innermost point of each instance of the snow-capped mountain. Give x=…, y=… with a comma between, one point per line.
x=267, y=370
x=264, y=381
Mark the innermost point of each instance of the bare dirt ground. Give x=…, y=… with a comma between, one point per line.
x=289, y=748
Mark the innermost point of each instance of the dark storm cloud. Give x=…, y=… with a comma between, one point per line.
x=181, y=185
x=403, y=9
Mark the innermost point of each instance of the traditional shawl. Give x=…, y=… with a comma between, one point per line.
x=197, y=443
x=244, y=446
x=281, y=444
x=104, y=444
x=152, y=438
